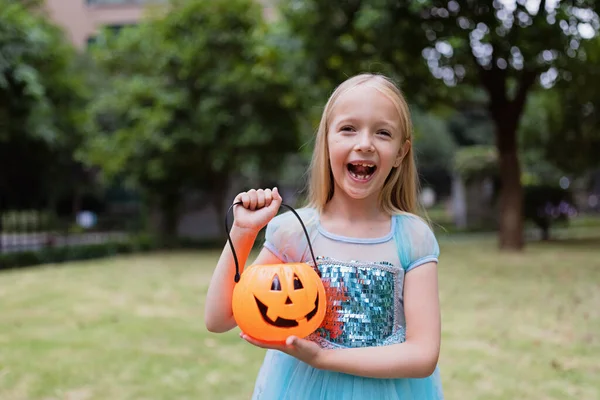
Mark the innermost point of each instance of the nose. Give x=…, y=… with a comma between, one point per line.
x=365, y=142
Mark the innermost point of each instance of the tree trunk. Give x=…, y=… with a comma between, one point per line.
x=511, y=192
x=166, y=204
x=506, y=115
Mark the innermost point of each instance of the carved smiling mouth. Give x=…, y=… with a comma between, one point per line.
x=284, y=322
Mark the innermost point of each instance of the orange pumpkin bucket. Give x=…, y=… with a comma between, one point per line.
x=274, y=301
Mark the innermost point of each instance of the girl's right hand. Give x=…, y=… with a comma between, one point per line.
x=257, y=209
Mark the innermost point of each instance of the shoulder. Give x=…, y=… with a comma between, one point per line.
x=288, y=225
x=305, y=213
x=285, y=236
x=289, y=221
x=413, y=224
x=415, y=240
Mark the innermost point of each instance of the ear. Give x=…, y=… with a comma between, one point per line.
x=403, y=152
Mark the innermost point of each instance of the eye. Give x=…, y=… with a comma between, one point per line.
x=347, y=128
x=276, y=285
x=385, y=133
x=297, y=283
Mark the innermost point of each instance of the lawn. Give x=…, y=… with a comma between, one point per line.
x=514, y=327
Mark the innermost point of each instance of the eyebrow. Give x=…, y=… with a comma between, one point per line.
x=352, y=120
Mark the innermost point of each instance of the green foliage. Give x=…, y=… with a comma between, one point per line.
x=194, y=97
x=39, y=83
x=560, y=133
x=26, y=220
x=43, y=94
x=134, y=244
x=537, y=170
x=341, y=39
x=490, y=53
x=433, y=144
x=475, y=41
x=476, y=162
x=471, y=125
x=54, y=255
x=572, y=140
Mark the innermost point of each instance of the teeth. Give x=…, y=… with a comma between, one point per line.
x=366, y=165
x=363, y=177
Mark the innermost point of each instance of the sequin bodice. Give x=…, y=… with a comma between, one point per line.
x=364, y=304
x=365, y=297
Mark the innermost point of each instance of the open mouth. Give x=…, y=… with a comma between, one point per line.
x=284, y=322
x=361, y=171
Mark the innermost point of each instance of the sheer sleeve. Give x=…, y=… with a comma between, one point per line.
x=416, y=242
x=285, y=237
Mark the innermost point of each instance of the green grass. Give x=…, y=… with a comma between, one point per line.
x=515, y=326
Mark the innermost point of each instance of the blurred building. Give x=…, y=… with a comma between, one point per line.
x=83, y=19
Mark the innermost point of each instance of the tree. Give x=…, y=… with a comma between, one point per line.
x=560, y=133
x=503, y=47
x=572, y=141
x=434, y=149
x=43, y=92
x=194, y=96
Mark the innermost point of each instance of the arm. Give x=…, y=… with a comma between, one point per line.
x=218, y=314
x=417, y=357
x=258, y=208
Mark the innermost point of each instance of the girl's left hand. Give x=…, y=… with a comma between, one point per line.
x=304, y=350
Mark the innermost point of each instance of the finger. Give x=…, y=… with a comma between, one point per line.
x=260, y=344
x=260, y=198
x=238, y=197
x=245, y=199
x=276, y=195
x=268, y=197
x=252, y=196
x=251, y=340
x=294, y=342
x=291, y=341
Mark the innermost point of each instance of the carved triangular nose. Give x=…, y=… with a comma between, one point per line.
x=288, y=300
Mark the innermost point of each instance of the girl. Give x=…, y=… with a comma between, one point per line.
x=378, y=260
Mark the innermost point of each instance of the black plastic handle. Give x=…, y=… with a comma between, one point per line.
x=237, y=265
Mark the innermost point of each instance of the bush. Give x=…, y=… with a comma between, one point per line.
x=52, y=255
x=476, y=162
x=545, y=205
x=135, y=244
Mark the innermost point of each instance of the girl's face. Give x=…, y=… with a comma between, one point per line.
x=365, y=142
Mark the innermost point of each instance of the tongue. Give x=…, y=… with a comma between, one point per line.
x=360, y=170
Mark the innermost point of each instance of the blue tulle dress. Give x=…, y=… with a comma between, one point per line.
x=364, y=283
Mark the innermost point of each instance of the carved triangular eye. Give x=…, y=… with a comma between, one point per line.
x=276, y=285
x=297, y=283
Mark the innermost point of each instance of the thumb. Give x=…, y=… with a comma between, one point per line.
x=277, y=200
x=293, y=341
x=276, y=195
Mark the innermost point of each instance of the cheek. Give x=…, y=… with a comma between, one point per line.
x=389, y=154
x=337, y=152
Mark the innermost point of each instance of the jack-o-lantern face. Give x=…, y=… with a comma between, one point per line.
x=272, y=302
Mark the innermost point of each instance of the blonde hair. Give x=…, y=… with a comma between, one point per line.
x=399, y=193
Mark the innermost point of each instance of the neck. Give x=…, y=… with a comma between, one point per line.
x=352, y=209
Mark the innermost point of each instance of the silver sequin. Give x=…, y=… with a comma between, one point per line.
x=364, y=304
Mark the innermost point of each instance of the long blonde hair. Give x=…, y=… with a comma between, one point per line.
x=399, y=193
